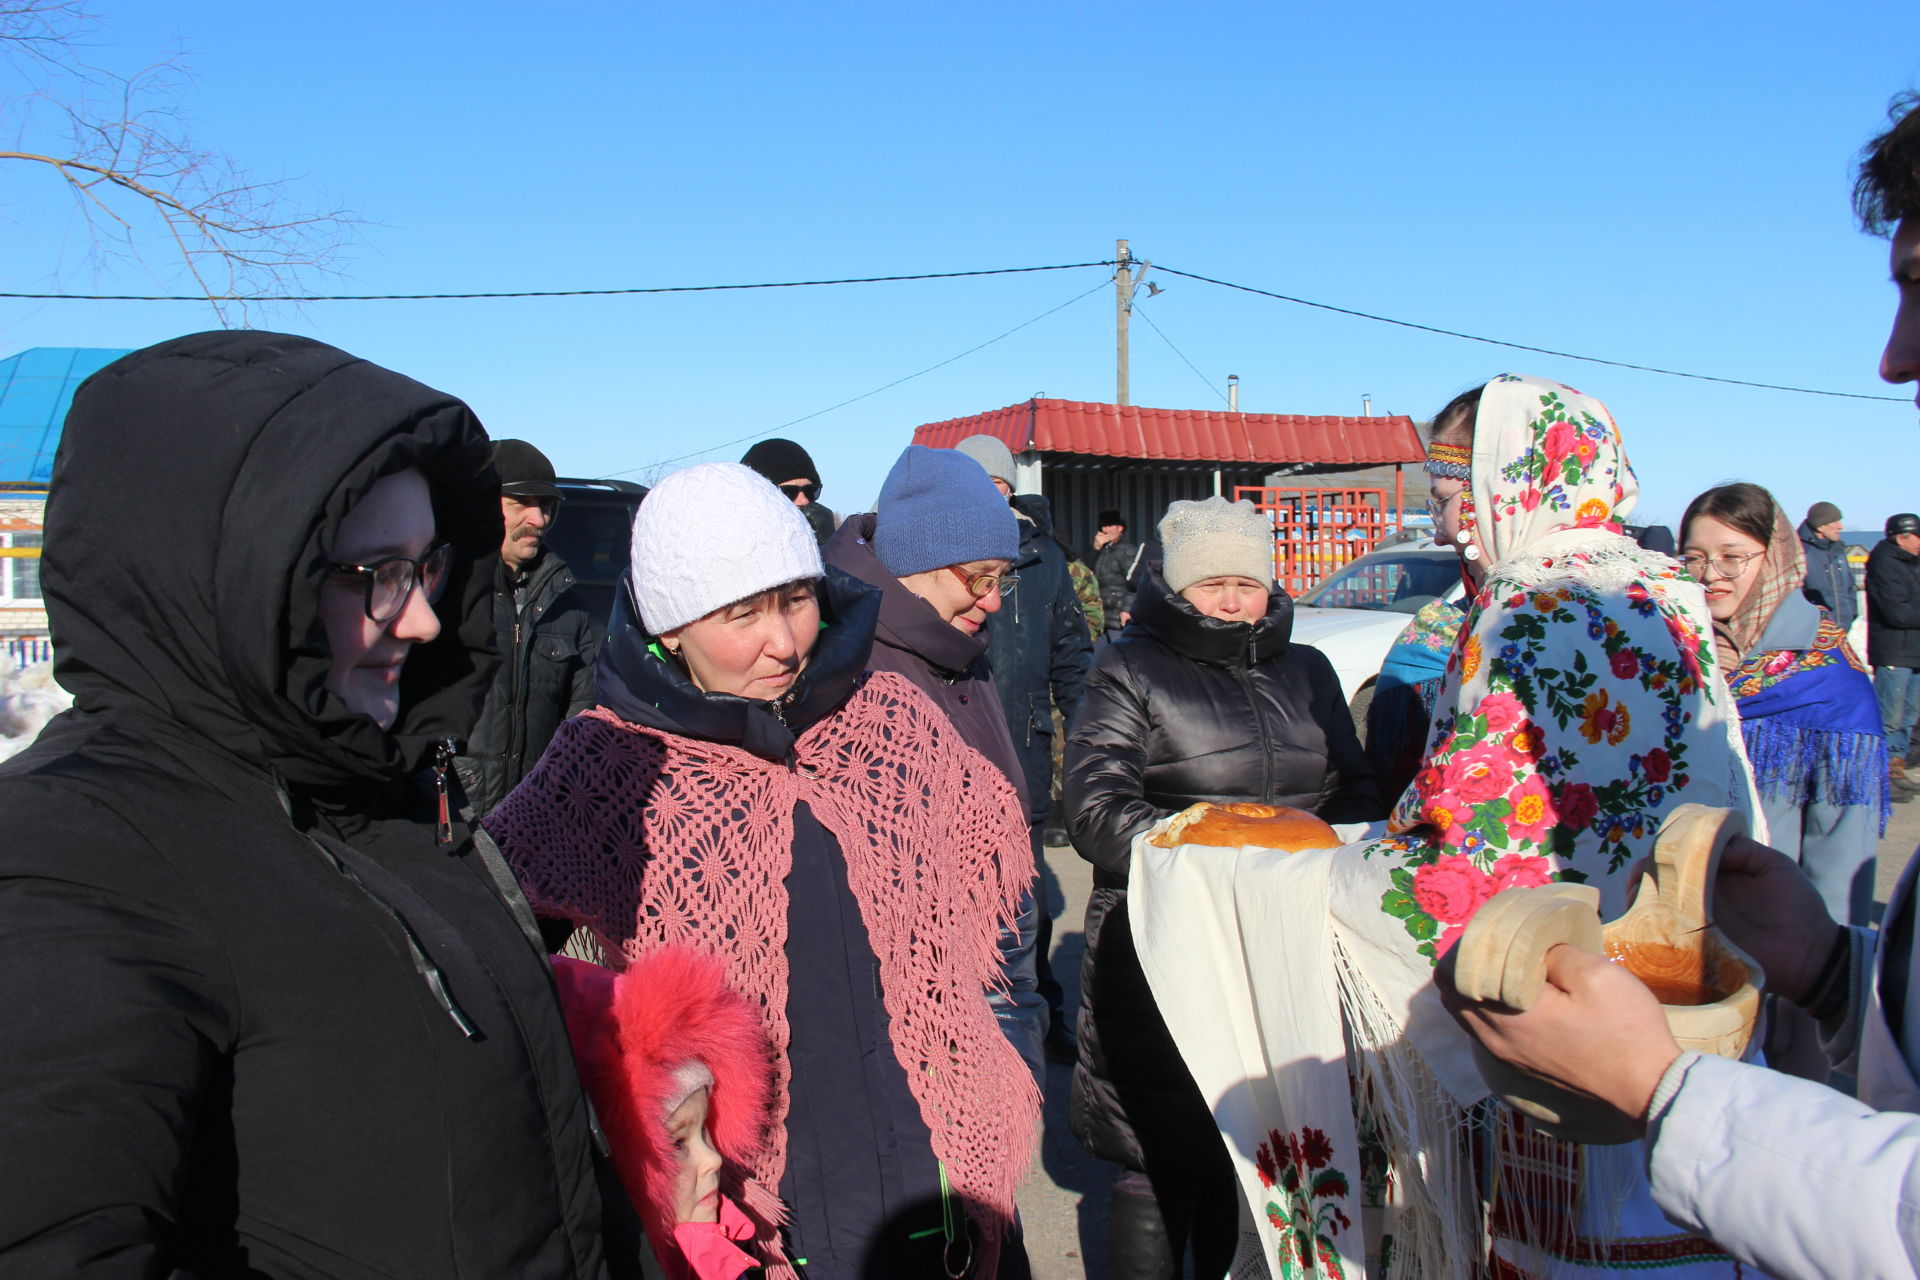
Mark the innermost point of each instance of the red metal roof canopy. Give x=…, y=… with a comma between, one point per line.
x=1192, y=435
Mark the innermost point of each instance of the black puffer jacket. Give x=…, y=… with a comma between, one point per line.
x=1183, y=708
x=260, y=1021
x=1893, y=606
x=548, y=642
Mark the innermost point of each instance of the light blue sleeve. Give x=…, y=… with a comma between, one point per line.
x=1784, y=1174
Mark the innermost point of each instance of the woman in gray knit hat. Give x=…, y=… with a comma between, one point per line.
x=1201, y=697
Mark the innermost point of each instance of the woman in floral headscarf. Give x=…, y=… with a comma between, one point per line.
x=1580, y=705
x=1807, y=714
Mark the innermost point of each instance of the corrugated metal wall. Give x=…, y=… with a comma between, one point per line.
x=1080, y=486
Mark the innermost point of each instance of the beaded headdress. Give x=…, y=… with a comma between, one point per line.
x=1450, y=461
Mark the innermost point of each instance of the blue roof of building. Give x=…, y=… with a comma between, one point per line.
x=36, y=387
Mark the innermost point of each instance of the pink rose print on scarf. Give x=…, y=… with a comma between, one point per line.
x=1626, y=664
x=1451, y=888
x=1520, y=871
x=1559, y=442
x=1448, y=814
x=1533, y=815
x=1502, y=710
x=1480, y=773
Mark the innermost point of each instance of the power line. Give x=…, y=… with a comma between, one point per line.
x=947, y=275
x=1521, y=346
x=1177, y=351
x=876, y=391
x=538, y=293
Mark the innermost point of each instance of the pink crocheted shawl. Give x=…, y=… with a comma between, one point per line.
x=648, y=838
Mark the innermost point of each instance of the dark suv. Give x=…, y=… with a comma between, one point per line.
x=593, y=533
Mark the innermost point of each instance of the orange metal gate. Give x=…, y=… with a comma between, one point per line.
x=1316, y=531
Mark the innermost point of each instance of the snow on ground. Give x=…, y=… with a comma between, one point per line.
x=28, y=699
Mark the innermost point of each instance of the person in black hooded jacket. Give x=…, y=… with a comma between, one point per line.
x=272, y=1010
x=1202, y=697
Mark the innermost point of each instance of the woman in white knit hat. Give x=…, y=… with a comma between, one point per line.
x=749, y=789
x=1202, y=697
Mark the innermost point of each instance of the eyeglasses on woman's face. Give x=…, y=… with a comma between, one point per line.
x=982, y=585
x=390, y=581
x=1729, y=567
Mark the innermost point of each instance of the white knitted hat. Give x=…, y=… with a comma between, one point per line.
x=712, y=534
x=1215, y=538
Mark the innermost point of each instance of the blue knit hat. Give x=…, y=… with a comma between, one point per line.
x=939, y=508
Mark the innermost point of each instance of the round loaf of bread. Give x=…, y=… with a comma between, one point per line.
x=1263, y=826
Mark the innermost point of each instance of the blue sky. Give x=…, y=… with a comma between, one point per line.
x=1655, y=183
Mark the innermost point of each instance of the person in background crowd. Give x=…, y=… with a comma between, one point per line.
x=1202, y=697
x=1829, y=574
x=1893, y=635
x=1791, y=1177
x=791, y=470
x=748, y=788
x=1807, y=712
x=1116, y=558
x=940, y=548
x=275, y=1010
x=1039, y=650
x=1086, y=589
x=548, y=637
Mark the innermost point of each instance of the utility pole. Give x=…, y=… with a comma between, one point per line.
x=1123, y=308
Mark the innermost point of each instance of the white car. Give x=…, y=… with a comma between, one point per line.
x=1355, y=615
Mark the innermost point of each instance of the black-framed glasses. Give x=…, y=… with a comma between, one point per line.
x=1728, y=567
x=810, y=491
x=391, y=581
x=982, y=585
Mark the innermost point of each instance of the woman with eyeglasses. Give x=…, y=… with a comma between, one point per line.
x=273, y=1009
x=940, y=546
x=1203, y=696
x=748, y=788
x=1807, y=711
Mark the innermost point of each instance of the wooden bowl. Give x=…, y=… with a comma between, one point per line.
x=1708, y=988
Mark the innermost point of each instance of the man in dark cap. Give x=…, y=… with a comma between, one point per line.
x=1829, y=575
x=1115, y=557
x=1893, y=634
x=791, y=470
x=548, y=635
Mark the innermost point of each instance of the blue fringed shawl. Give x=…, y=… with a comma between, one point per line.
x=1808, y=715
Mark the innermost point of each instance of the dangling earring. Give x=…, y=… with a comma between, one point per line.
x=1469, y=550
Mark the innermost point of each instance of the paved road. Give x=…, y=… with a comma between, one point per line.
x=1064, y=1203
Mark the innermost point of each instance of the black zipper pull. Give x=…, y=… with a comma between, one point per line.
x=442, y=761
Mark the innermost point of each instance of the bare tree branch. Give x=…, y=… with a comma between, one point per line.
x=136, y=175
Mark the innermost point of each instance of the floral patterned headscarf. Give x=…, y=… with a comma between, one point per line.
x=1778, y=575
x=1545, y=458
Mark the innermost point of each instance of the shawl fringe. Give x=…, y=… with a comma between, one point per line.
x=1797, y=762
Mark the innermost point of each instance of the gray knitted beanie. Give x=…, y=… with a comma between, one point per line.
x=1216, y=538
x=992, y=454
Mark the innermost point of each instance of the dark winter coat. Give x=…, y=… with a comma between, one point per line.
x=861, y=1177
x=548, y=642
x=1114, y=564
x=259, y=1021
x=1039, y=649
x=1183, y=708
x=950, y=667
x=1893, y=606
x=1829, y=577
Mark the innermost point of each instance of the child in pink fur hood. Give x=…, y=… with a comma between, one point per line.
x=679, y=1070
